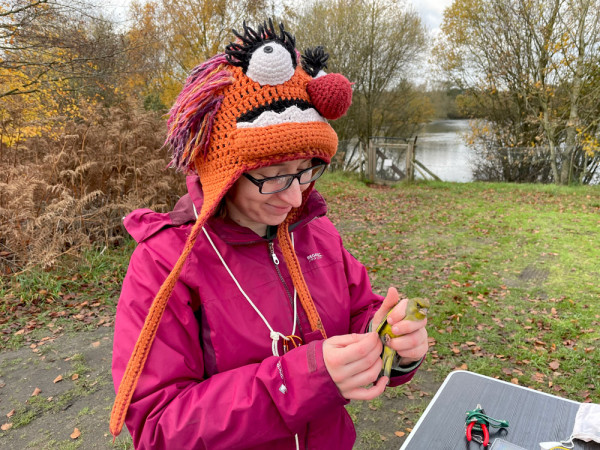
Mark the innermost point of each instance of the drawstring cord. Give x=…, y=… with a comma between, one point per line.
x=274, y=335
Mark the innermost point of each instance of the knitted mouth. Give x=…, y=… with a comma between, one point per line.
x=280, y=111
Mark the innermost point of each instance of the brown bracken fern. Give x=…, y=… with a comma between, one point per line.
x=62, y=195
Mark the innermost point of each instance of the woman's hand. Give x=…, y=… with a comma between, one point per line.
x=353, y=362
x=411, y=343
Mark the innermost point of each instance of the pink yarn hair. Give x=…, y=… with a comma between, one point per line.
x=191, y=118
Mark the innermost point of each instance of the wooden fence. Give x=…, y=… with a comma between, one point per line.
x=376, y=150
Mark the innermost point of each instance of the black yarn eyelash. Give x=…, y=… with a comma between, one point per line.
x=313, y=60
x=239, y=54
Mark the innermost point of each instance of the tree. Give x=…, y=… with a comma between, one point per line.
x=375, y=44
x=171, y=37
x=527, y=67
x=53, y=55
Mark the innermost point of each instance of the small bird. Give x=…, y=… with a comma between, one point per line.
x=416, y=309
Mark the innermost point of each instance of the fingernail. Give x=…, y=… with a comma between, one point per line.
x=395, y=330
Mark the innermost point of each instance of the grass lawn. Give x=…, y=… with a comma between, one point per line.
x=511, y=271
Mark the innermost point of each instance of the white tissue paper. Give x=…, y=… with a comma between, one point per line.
x=587, y=423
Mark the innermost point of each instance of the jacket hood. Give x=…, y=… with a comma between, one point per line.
x=143, y=223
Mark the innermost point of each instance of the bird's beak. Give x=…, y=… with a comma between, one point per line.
x=423, y=311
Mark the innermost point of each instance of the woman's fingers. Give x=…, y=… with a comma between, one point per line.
x=368, y=393
x=389, y=302
x=413, y=345
x=353, y=362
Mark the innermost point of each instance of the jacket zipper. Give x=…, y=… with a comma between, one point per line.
x=287, y=291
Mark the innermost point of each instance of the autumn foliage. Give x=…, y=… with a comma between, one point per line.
x=59, y=194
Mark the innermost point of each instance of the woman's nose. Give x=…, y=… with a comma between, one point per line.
x=293, y=194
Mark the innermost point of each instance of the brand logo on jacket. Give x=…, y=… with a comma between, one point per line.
x=314, y=257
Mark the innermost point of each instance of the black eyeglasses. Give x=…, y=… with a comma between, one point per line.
x=272, y=185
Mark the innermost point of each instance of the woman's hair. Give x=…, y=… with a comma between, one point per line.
x=221, y=209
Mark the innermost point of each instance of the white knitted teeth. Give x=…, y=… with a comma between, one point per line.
x=291, y=114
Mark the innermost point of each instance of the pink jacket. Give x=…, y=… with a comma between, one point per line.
x=211, y=380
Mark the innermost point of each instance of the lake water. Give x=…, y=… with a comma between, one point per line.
x=441, y=148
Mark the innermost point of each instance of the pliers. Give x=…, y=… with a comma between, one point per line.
x=475, y=419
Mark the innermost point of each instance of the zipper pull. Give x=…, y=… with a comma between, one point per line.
x=272, y=252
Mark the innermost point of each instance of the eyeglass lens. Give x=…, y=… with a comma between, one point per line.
x=283, y=182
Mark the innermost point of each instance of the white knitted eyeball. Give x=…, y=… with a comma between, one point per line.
x=270, y=64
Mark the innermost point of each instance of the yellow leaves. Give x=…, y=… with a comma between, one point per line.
x=590, y=144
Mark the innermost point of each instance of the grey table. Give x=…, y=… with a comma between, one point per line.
x=533, y=416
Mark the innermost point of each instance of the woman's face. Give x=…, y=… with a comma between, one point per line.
x=249, y=208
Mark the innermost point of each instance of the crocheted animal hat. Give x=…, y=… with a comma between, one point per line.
x=247, y=108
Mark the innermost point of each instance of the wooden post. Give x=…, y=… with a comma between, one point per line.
x=371, y=161
x=433, y=175
x=410, y=165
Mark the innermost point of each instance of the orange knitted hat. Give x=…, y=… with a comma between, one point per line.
x=247, y=108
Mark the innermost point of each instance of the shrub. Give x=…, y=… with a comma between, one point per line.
x=61, y=195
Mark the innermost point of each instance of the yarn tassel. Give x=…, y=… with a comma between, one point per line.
x=142, y=346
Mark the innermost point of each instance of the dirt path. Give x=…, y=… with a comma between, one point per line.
x=82, y=399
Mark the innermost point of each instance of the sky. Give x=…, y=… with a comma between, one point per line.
x=431, y=12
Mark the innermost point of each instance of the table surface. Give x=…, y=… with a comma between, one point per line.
x=533, y=416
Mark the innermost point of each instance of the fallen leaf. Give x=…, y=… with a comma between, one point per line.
x=58, y=378
x=75, y=376
x=10, y=413
x=515, y=381
x=76, y=433
x=554, y=365
x=96, y=344
x=400, y=433
x=382, y=437
x=539, y=377
x=6, y=426
x=36, y=392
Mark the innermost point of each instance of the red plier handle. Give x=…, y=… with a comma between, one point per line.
x=486, y=434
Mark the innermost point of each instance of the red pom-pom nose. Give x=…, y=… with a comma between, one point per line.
x=331, y=94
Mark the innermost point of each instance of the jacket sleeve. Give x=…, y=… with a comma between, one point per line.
x=365, y=305
x=173, y=406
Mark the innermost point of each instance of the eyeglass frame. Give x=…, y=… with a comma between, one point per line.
x=290, y=177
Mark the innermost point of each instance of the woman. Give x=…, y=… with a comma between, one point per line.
x=243, y=322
